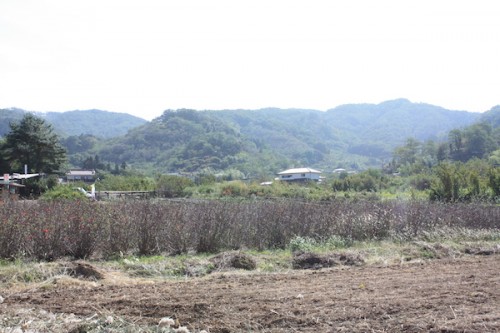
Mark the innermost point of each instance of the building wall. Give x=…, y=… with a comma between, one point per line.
x=300, y=176
x=80, y=178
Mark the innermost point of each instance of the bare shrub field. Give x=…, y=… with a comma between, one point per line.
x=79, y=266
x=81, y=229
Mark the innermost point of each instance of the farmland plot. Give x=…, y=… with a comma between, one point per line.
x=443, y=295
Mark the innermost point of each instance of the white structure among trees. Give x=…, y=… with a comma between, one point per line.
x=299, y=174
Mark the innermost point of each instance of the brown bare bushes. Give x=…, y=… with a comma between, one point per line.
x=81, y=229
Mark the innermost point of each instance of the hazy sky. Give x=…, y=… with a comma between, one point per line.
x=142, y=57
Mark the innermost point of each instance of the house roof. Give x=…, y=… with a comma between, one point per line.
x=298, y=170
x=80, y=173
x=21, y=176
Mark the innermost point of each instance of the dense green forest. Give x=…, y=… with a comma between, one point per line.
x=387, y=148
x=190, y=141
x=255, y=142
x=262, y=142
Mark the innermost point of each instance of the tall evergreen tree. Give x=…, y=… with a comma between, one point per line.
x=33, y=142
x=4, y=164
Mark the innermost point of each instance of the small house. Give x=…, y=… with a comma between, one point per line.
x=12, y=186
x=79, y=175
x=9, y=189
x=299, y=174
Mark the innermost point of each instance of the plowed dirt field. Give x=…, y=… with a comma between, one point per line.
x=449, y=295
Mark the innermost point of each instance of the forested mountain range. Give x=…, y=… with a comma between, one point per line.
x=268, y=140
x=259, y=142
x=349, y=135
x=492, y=116
x=99, y=123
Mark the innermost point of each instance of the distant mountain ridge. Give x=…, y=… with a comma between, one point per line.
x=99, y=123
x=492, y=116
x=418, y=120
x=351, y=136
x=7, y=116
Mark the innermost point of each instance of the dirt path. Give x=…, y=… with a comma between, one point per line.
x=453, y=295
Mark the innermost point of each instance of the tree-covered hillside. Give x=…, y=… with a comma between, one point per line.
x=188, y=141
x=349, y=136
x=99, y=123
x=255, y=142
x=301, y=135
x=492, y=116
x=8, y=116
x=385, y=125
x=267, y=140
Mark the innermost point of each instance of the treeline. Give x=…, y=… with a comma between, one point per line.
x=263, y=142
x=479, y=141
x=260, y=143
x=464, y=167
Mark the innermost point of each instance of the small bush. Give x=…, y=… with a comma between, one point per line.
x=171, y=186
x=302, y=244
x=338, y=242
x=234, y=189
x=63, y=192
